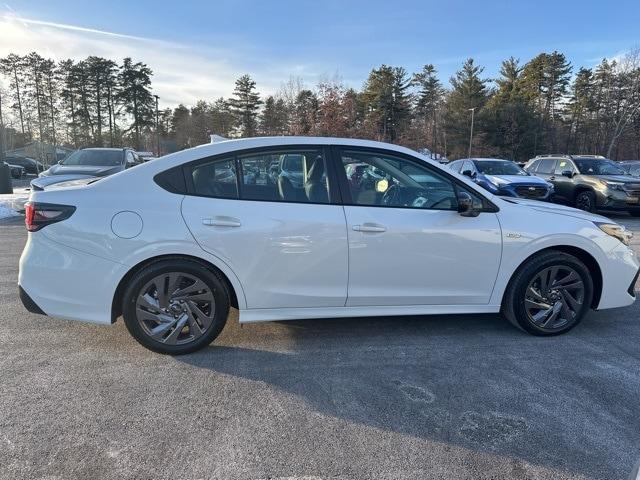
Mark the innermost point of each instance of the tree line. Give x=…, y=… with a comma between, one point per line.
x=92, y=102
x=541, y=106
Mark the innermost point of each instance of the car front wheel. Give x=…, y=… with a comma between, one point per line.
x=549, y=294
x=175, y=306
x=586, y=201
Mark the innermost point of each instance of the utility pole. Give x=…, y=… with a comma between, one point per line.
x=1, y=132
x=157, y=128
x=473, y=111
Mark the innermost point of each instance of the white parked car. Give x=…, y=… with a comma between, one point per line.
x=373, y=229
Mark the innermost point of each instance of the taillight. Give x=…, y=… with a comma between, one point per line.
x=39, y=215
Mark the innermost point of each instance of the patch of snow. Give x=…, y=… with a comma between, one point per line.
x=12, y=203
x=6, y=212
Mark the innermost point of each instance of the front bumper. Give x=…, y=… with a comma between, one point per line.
x=610, y=199
x=619, y=275
x=530, y=192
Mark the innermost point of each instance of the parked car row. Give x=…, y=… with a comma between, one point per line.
x=588, y=182
x=503, y=177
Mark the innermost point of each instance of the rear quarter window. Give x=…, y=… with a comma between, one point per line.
x=172, y=180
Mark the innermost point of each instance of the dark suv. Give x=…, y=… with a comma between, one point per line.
x=588, y=182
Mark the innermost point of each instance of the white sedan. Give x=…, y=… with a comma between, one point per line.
x=372, y=229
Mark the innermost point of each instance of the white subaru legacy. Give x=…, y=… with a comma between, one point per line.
x=290, y=228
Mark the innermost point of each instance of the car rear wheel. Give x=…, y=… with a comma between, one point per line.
x=586, y=201
x=549, y=295
x=175, y=306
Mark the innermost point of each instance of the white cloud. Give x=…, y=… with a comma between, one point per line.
x=182, y=73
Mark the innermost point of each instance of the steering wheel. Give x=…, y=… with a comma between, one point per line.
x=391, y=196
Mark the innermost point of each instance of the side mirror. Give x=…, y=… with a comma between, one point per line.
x=467, y=173
x=465, y=205
x=567, y=173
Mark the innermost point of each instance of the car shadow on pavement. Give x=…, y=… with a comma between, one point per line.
x=472, y=381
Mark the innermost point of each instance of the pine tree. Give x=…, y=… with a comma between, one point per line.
x=101, y=76
x=222, y=118
x=135, y=95
x=429, y=101
x=580, y=108
x=273, y=119
x=305, y=113
x=13, y=66
x=245, y=105
x=181, y=126
x=468, y=92
x=509, y=116
x=545, y=79
x=387, y=101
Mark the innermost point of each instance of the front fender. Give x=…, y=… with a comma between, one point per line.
x=517, y=250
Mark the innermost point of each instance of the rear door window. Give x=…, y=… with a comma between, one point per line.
x=215, y=179
x=299, y=176
x=547, y=165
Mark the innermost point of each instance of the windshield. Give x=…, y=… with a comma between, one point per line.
x=590, y=166
x=499, y=167
x=95, y=158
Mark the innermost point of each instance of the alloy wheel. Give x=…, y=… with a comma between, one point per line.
x=583, y=202
x=175, y=308
x=554, y=297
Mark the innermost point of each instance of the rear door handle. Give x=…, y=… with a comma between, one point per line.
x=221, y=221
x=370, y=227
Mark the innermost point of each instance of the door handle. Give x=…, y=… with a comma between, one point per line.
x=370, y=227
x=221, y=221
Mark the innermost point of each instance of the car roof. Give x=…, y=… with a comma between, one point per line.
x=490, y=160
x=229, y=146
x=106, y=149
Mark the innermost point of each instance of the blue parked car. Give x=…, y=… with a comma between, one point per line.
x=503, y=177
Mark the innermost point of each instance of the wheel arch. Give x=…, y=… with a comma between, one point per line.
x=582, y=188
x=116, y=304
x=585, y=257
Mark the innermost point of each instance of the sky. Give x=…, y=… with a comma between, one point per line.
x=198, y=48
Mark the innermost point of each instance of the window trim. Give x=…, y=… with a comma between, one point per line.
x=235, y=156
x=337, y=166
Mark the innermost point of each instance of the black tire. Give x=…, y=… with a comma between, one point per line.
x=513, y=304
x=634, y=213
x=193, y=270
x=586, y=200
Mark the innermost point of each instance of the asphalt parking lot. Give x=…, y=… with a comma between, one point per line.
x=391, y=398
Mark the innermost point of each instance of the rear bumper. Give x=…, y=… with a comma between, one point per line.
x=28, y=302
x=63, y=282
